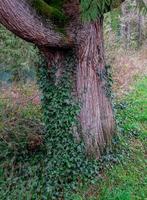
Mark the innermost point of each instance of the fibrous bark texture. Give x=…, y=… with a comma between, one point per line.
x=20, y=18
x=96, y=115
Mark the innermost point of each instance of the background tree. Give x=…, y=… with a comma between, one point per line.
x=132, y=16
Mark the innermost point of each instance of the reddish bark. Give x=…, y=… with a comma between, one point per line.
x=20, y=18
x=96, y=115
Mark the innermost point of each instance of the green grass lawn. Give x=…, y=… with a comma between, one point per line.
x=124, y=172
x=128, y=179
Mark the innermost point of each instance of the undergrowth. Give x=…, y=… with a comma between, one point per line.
x=58, y=164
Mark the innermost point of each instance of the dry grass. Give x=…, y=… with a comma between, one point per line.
x=127, y=66
x=21, y=95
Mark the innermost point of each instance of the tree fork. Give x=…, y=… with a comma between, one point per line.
x=20, y=18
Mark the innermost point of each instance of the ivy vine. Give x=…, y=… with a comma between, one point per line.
x=66, y=162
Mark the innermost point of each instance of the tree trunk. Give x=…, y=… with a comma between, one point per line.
x=90, y=81
x=96, y=115
x=139, y=30
x=125, y=24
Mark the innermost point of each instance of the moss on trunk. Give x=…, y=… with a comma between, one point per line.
x=52, y=10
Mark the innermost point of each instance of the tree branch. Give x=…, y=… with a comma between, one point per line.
x=20, y=18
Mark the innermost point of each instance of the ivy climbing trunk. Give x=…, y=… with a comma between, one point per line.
x=90, y=85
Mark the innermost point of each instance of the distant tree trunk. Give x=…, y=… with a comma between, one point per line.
x=125, y=24
x=139, y=31
x=96, y=116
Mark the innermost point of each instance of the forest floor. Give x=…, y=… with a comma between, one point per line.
x=123, y=178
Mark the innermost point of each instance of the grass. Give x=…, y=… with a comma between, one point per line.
x=122, y=177
x=127, y=179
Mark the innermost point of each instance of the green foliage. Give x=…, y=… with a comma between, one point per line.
x=142, y=6
x=115, y=20
x=96, y=8
x=90, y=9
x=93, y=9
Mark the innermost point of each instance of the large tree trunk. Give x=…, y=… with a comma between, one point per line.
x=96, y=115
x=90, y=81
